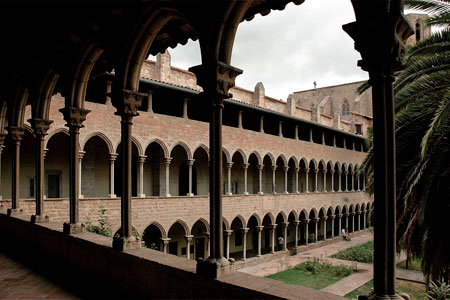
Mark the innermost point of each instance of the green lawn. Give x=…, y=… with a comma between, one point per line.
x=314, y=274
x=414, y=264
x=414, y=290
x=362, y=253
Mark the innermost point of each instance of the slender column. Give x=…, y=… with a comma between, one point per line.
x=240, y=119
x=346, y=181
x=353, y=146
x=332, y=181
x=167, y=161
x=274, y=185
x=2, y=141
x=259, y=229
x=358, y=224
x=272, y=234
x=261, y=124
x=311, y=135
x=345, y=143
x=364, y=219
x=245, y=166
x=346, y=219
x=296, y=132
x=280, y=129
x=244, y=242
x=323, y=138
x=40, y=128
x=150, y=101
x=112, y=159
x=141, y=161
x=296, y=223
x=228, y=234
x=188, y=245
x=208, y=236
x=185, y=108
x=297, y=169
x=306, y=182
x=285, y=229
x=316, y=171
x=359, y=184
x=324, y=180
x=324, y=220
x=229, y=166
x=339, y=222
x=190, y=163
x=306, y=221
x=340, y=183
x=334, y=140
x=80, y=164
x=286, y=180
x=165, y=243
x=353, y=221
x=108, y=93
x=127, y=103
x=316, y=228
x=332, y=225
x=352, y=182
x=74, y=118
x=260, y=170
x=16, y=134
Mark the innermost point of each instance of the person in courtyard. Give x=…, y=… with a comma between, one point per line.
x=347, y=234
x=312, y=238
x=280, y=243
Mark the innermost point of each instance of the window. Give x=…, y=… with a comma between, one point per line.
x=418, y=32
x=358, y=128
x=346, y=109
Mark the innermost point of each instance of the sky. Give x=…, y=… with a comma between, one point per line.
x=288, y=50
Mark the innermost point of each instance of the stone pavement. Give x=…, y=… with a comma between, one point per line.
x=20, y=282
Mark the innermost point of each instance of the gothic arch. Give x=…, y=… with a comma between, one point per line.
x=184, y=146
x=161, y=144
x=183, y=224
x=160, y=227
x=258, y=219
x=53, y=132
x=100, y=135
x=242, y=153
x=204, y=222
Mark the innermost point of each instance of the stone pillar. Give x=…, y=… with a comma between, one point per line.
x=339, y=222
x=297, y=169
x=353, y=222
x=346, y=219
x=127, y=103
x=316, y=229
x=324, y=220
x=359, y=184
x=16, y=134
x=208, y=236
x=345, y=143
x=296, y=132
x=311, y=135
x=296, y=223
x=240, y=119
x=274, y=184
x=340, y=183
x=112, y=159
x=280, y=129
x=80, y=164
x=244, y=243
x=40, y=128
x=2, y=141
x=306, y=221
x=286, y=180
x=188, y=245
x=316, y=189
x=334, y=140
x=323, y=138
x=261, y=124
x=272, y=234
x=285, y=229
x=332, y=181
x=185, y=108
x=324, y=180
x=167, y=161
x=260, y=170
x=352, y=182
x=190, y=163
x=141, y=161
x=364, y=219
x=358, y=224
x=165, y=243
x=346, y=181
x=229, y=166
x=306, y=181
x=74, y=117
x=332, y=225
x=259, y=229
x=108, y=93
x=245, y=166
x=150, y=101
x=228, y=234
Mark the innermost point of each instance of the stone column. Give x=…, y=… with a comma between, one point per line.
x=359, y=184
x=112, y=159
x=297, y=169
x=339, y=222
x=296, y=222
x=228, y=234
x=244, y=243
x=165, y=243
x=324, y=220
x=332, y=181
x=272, y=234
x=316, y=229
x=345, y=143
x=353, y=222
x=188, y=245
x=261, y=124
x=260, y=170
x=208, y=236
x=185, y=108
x=190, y=163
x=167, y=161
x=285, y=229
x=40, y=128
x=141, y=161
x=296, y=132
x=323, y=138
x=259, y=229
x=2, y=141
x=364, y=219
x=286, y=180
x=306, y=182
x=108, y=93
x=229, y=166
x=80, y=164
x=346, y=181
x=352, y=182
x=332, y=225
x=74, y=117
x=274, y=184
x=311, y=135
x=280, y=129
x=245, y=166
x=324, y=180
x=240, y=119
x=127, y=103
x=334, y=140
x=340, y=183
x=358, y=224
x=306, y=221
x=150, y=101
x=16, y=134
x=316, y=189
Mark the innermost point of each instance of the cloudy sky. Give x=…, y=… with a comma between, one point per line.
x=291, y=49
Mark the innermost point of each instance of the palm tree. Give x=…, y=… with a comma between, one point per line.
x=422, y=104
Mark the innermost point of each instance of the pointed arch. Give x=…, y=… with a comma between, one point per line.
x=313, y=211
x=184, y=146
x=53, y=132
x=257, y=155
x=241, y=219
x=100, y=135
x=295, y=160
x=270, y=216
x=283, y=158
x=204, y=222
x=226, y=223
x=242, y=153
x=227, y=155
x=161, y=144
x=202, y=146
x=294, y=213
x=160, y=227
x=283, y=215
x=183, y=224
x=257, y=217
x=303, y=213
x=271, y=158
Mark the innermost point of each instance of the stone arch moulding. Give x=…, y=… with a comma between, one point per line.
x=257, y=217
x=242, y=153
x=204, y=222
x=53, y=132
x=160, y=227
x=183, y=224
x=135, y=141
x=204, y=147
x=101, y=136
x=184, y=146
x=161, y=144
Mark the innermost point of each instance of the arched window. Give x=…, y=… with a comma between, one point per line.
x=417, y=32
x=346, y=109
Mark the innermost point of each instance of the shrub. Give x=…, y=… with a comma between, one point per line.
x=362, y=253
x=316, y=266
x=438, y=291
x=103, y=228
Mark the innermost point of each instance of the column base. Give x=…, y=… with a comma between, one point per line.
x=245, y=193
x=372, y=296
x=11, y=212
x=286, y=192
x=168, y=195
x=126, y=243
x=69, y=228
x=112, y=195
x=260, y=193
x=229, y=194
x=190, y=195
x=39, y=219
x=141, y=195
x=215, y=268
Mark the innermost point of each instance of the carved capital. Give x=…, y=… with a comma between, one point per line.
x=305, y=221
x=167, y=160
x=286, y=169
x=188, y=238
x=259, y=228
x=260, y=167
x=2, y=139
x=16, y=133
x=74, y=116
x=141, y=159
x=81, y=155
x=113, y=156
x=190, y=162
x=40, y=126
x=128, y=103
x=165, y=240
x=228, y=232
x=245, y=230
x=229, y=165
x=245, y=165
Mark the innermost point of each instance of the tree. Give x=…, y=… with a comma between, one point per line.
x=422, y=106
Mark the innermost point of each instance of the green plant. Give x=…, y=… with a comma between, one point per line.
x=316, y=266
x=362, y=253
x=438, y=290
x=103, y=228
